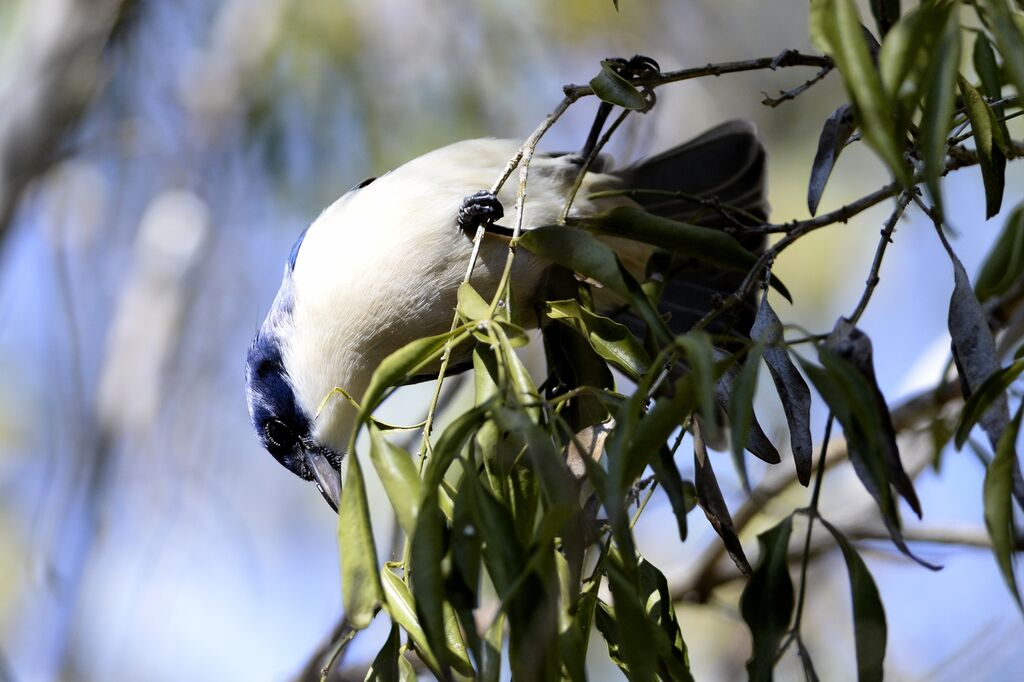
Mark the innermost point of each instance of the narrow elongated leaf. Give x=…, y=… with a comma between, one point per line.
x=700, y=358
x=669, y=644
x=838, y=128
x=990, y=157
x=400, y=606
x=635, y=631
x=887, y=13
x=398, y=475
x=580, y=252
x=427, y=581
x=610, y=87
x=681, y=494
x=490, y=669
x=837, y=25
x=992, y=389
x=752, y=437
x=454, y=438
x=767, y=601
x=1009, y=37
x=869, y=627
x=1004, y=265
x=999, y=482
x=705, y=244
x=792, y=389
x=974, y=349
x=987, y=67
x=404, y=363
x=709, y=497
x=361, y=592
x=471, y=305
x=940, y=97
x=611, y=340
x=385, y=664
x=741, y=410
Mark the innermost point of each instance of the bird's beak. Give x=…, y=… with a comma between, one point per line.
x=327, y=478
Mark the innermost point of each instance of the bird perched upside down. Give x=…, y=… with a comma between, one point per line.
x=381, y=267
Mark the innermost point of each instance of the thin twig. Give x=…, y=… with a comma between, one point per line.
x=886, y=239
x=788, y=95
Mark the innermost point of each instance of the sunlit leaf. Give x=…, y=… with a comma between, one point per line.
x=990, y=157
x=792, y=389
x=838, y=128
x=398, y=475
x=939, y=100
x=998, y=509
x=767, y=601
x=869, y=627
x=471, y=305
x=361, y=592
x=427, y=581
x=400, y=606
x=611, y=340
x=610, y=87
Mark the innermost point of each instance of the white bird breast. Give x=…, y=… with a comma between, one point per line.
x=382, y=265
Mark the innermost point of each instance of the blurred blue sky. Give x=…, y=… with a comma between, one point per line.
x=143, y=532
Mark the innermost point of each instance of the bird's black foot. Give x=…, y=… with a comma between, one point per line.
x=482, y=208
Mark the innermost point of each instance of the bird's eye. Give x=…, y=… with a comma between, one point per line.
x=279, y=436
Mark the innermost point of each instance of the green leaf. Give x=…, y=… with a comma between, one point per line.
x=939, y=101
x=998, y=507
x=682, y=495
x=580, y=252
x=1004, y=265
x=838, y=128
x=869, y=628
x=361, y=590
x=705, y=244
x=401, y=607
x=451, y=443
x=427, y=552
x=406, y=362
x=490, y=667
x=398, y=475
x=791, y=387
x=741, y=408
x=611, y=340
x=610, y=87
x=700, y=360
x=635, y=631
x=990, y=156
x=1009, y=38
x=887, y=13
x=385, y=664
x=668, y=642
x=837, y=26
x=471, y=305
x=987, y=67
x=767, y=601
x=992, y=389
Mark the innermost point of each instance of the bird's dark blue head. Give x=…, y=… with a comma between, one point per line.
x=280, y=423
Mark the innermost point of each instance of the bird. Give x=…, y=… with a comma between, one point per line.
x=381, y=267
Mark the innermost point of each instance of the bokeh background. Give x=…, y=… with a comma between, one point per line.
x=158, y=158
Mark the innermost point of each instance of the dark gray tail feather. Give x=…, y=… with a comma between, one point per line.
x=720, y=176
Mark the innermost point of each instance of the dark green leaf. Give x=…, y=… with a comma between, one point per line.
x=1009, y=37
x=490, y=668
x=792, y=389
x=612, y=88
x=668, y=642
x=705, y=244
x=990, y=156
x=767, y=601
x=1004, y=265
x=398, y=475
x=709, y=497
x=838, y=128
x=974, y=349
x=635, y=631
x=887, y=13
x=754, y=438
x=427, y=581
x=681, y=494
x=580, y=252
x=385, y=664
x=836, y=25
x=700, y=360
x=987, y=67
x=360, y=586
x=939, y=101
x=992, y=389
x=451, y=443
x=611, y=340
x=869, y=628
x=998, y=509
x=741, y=409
